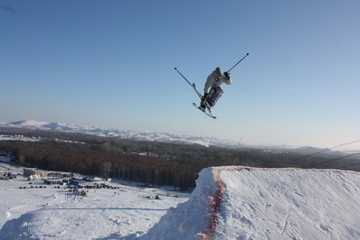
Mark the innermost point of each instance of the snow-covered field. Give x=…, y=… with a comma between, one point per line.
x=55, y=213
x=228, y=203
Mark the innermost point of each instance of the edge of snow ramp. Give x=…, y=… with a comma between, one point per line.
x=237, y=202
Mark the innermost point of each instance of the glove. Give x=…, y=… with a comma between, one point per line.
x=227, y=75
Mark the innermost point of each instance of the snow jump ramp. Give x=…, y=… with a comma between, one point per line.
x=258, y=203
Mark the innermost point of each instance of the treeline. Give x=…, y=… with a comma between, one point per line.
x=152, y=163
x=85, y=160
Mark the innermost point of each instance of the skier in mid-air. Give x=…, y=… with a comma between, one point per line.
x=212, y=89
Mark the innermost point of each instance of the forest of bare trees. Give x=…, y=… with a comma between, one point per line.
x=152, y=163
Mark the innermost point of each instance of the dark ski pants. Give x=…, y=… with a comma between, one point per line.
x=214, y=95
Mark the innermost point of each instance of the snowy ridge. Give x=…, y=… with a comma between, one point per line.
x=122, y=134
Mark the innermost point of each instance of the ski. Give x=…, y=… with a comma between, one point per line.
x=208, y=114
x=200, y=96
x=197, y=92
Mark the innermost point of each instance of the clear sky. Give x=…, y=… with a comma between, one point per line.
x=111, y=64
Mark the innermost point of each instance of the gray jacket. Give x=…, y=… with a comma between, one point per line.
x=215, y=79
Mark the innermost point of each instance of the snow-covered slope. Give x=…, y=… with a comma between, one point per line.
x=252, y=203
x=228, y=203
x=123, y=134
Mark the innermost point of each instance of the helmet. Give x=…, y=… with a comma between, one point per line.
x=218, y=73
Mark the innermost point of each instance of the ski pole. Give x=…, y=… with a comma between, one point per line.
x=191, y=84
x=239, y=62
x=183, y=77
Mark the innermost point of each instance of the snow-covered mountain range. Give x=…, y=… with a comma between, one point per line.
x=123, y=134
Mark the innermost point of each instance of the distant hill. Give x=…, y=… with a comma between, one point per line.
x=123, y=134
x=159, y=137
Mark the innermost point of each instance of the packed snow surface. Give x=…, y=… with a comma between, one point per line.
x=252, y=203
x=228, y=203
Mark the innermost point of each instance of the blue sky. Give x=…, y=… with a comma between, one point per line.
x=111, y=64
